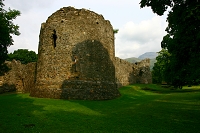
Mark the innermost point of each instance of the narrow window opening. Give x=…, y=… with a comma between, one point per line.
x=54, y=38
x=97, y=22
x=140, y=73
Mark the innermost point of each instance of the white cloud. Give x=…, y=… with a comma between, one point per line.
x=135, y=39
x=28, y=5
x=29, y=27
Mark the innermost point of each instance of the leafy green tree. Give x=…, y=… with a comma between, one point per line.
x=159, y=68
x=182, y=40
x=115, y=31
x=7, y=28
x=23, y=55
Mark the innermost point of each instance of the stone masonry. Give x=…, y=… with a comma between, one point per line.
x=76, y=60
x=75, y=57
x=20, y=78
x=130, y=73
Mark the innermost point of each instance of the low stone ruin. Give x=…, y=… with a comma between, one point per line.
x=127, y=73
x=20, y=78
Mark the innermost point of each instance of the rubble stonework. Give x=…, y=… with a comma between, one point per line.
x=20, y=78
x=143, y=72
x=130, y=73
x=76, y=60
x=75, y=57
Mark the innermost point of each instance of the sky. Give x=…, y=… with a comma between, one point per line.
x=140, y=30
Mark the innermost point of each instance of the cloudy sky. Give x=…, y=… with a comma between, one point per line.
x=140, y=30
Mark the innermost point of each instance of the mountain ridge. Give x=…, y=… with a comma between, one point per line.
x=151, y=55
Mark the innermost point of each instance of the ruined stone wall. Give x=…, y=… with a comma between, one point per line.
x=143, y=72
x=130, y=73
x=124, y=72
x=28, y=77
x=76, y=57
x=20, y=78
x=76, y=60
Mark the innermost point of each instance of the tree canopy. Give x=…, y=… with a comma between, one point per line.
x=23, y=55
x=182, y=40
x=7, y=29
x=160, y=66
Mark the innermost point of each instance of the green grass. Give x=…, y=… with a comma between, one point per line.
x=140, y=109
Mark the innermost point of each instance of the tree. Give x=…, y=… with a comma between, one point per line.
x=182, y=40
x=23, y=55
x=162, y=61
x=7, y=28
x=115, y=31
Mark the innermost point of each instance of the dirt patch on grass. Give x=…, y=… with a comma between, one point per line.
x=29, y=125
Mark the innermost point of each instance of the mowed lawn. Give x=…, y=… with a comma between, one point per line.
x=140, y=109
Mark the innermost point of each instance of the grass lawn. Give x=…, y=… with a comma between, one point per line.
x=140, y=109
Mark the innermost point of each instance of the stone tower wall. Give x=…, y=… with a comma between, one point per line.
x=76, y=60
x=76, y=56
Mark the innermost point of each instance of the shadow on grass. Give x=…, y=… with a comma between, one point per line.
x=135, y=111
x=17, y=113
x=170, y=90
x=5, y=88
x=163, y=90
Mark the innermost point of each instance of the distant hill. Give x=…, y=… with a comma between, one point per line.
x=150, y=55
x=133, y=60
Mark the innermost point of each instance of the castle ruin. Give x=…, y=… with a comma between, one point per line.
x=76, y=59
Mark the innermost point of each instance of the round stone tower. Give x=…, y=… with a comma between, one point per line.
x=76, y=57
